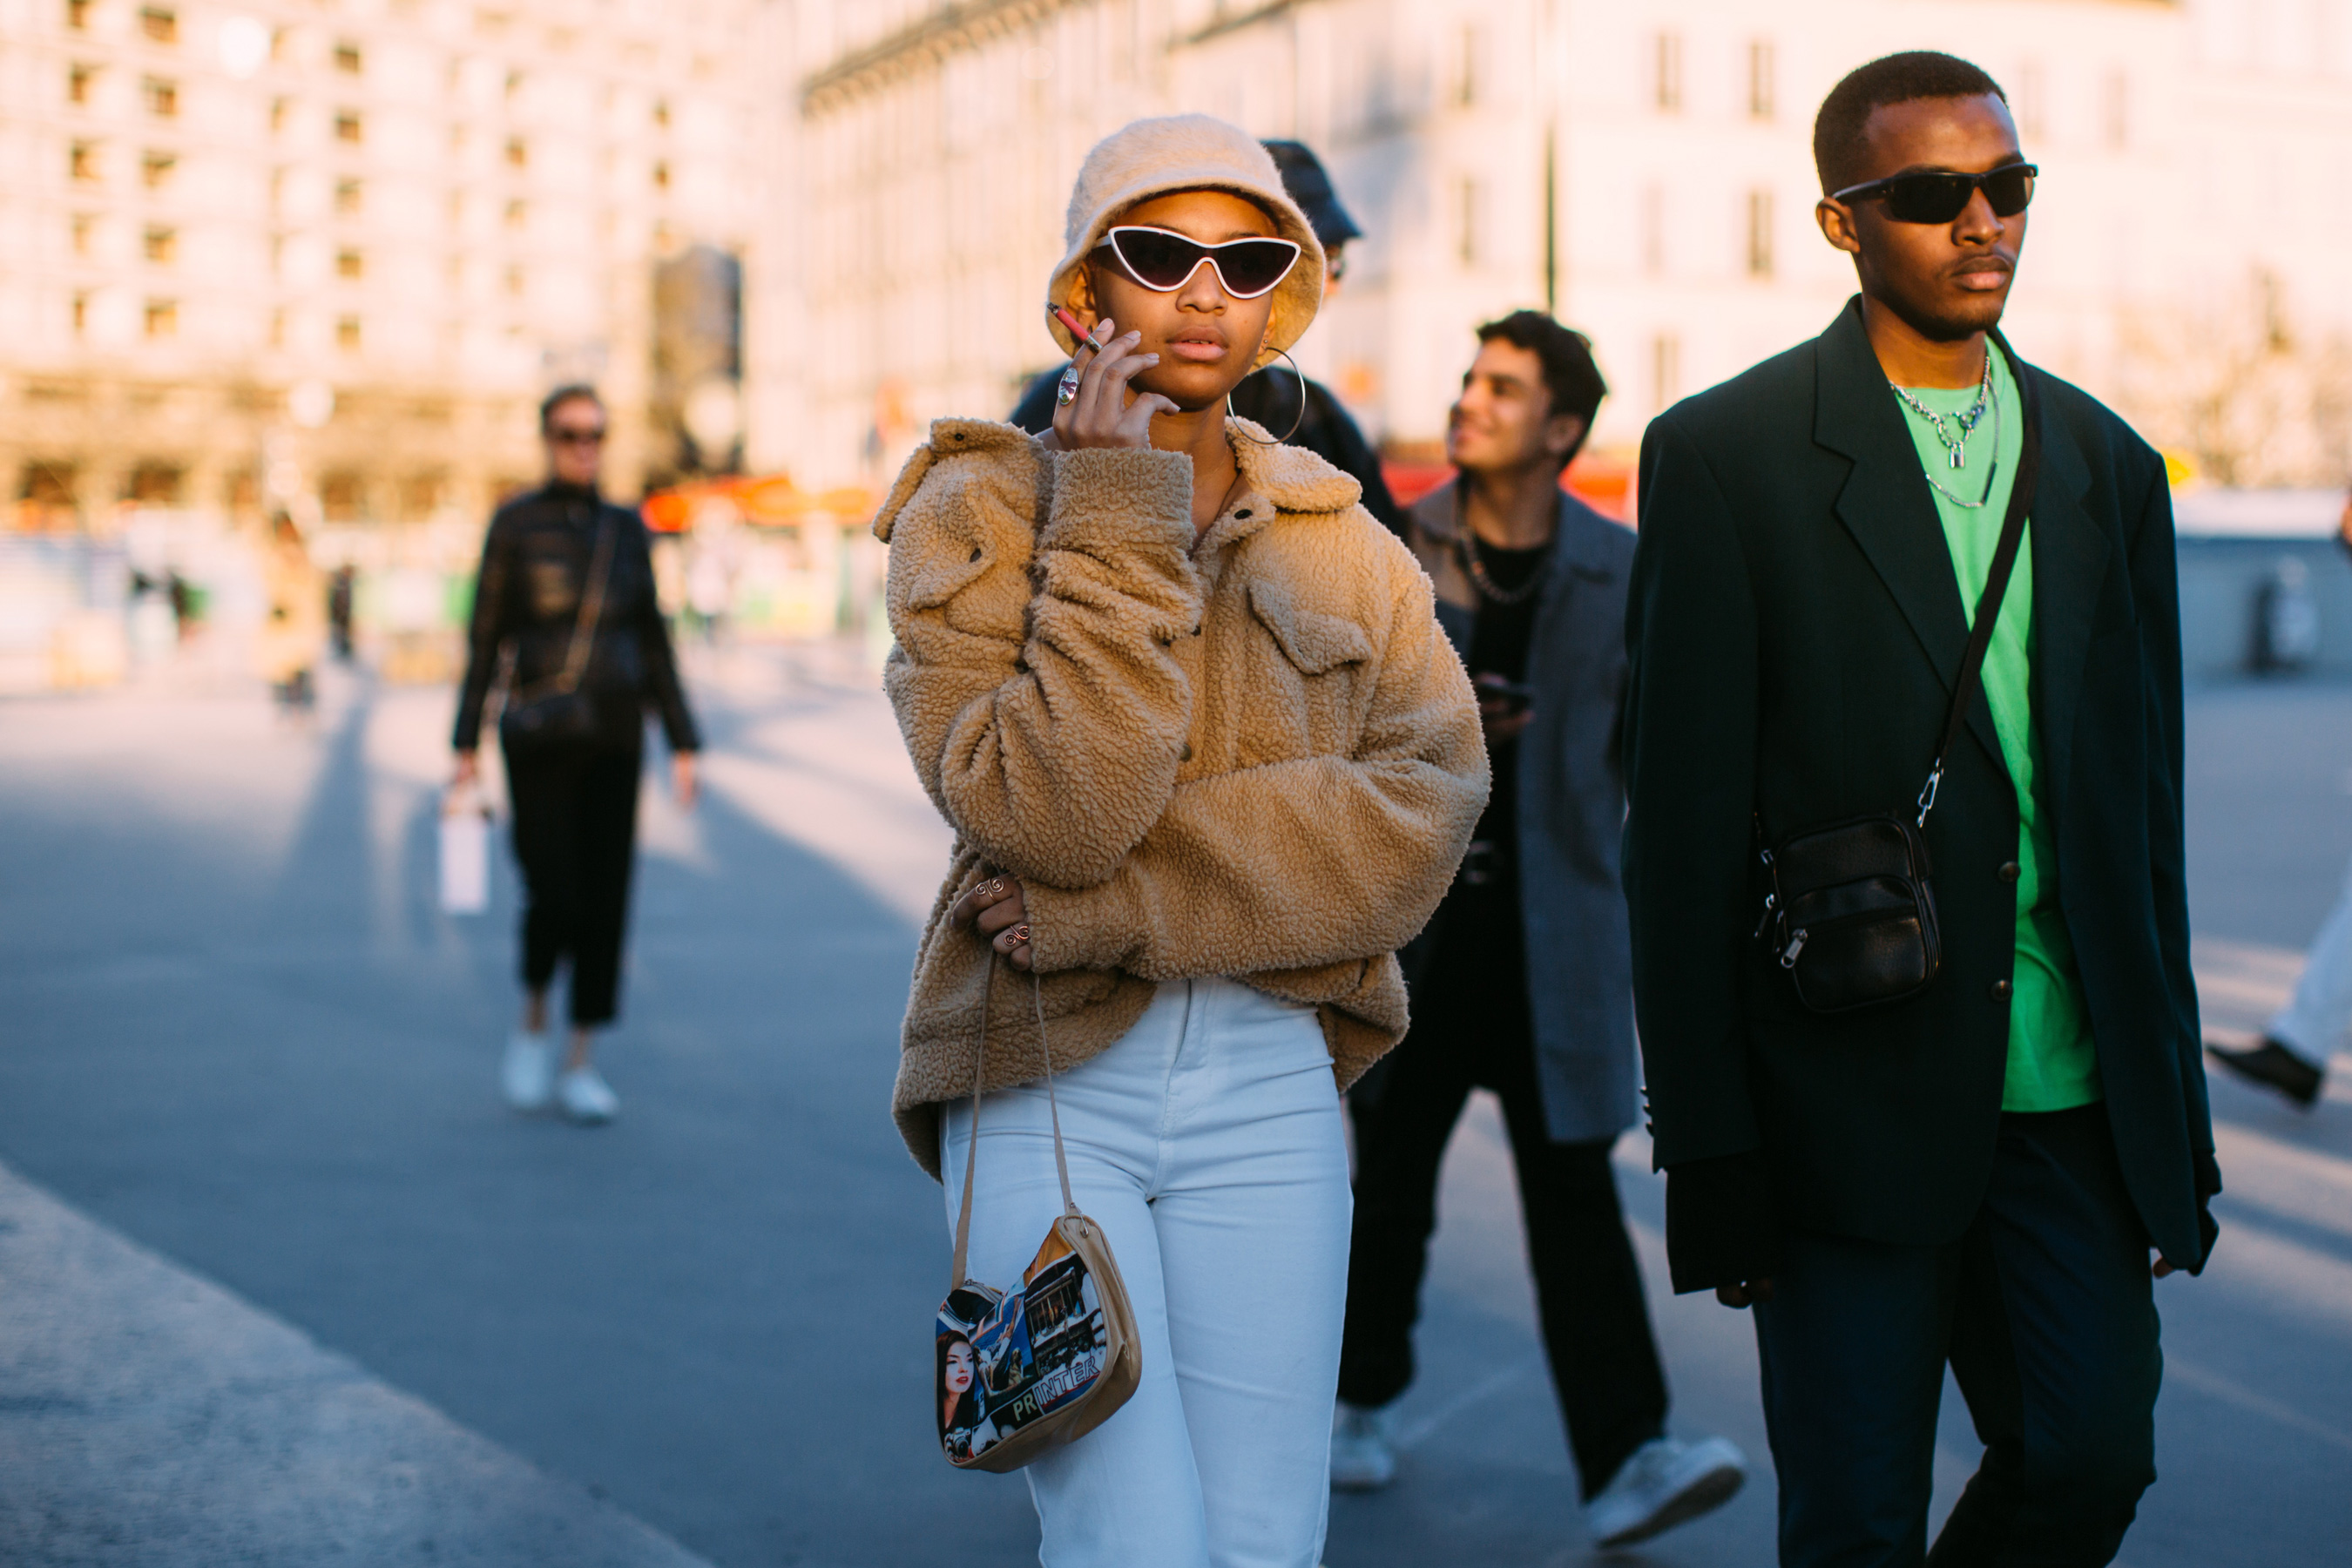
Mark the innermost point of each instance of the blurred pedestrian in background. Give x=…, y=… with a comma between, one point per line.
x=1522, y=983
x=1209, y=763
x=294, y=626
x=566, y=618
x=340, y=584
x=1299, y=411
x=1913, y=1154
x=2292, y=1055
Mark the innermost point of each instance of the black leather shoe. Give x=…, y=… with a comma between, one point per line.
x=2272, y=1065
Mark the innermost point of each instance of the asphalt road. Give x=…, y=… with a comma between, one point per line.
x=234, y=1029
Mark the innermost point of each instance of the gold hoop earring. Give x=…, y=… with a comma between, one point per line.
x=1299, y=376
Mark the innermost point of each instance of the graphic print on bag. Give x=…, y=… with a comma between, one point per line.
x=1006, y=1361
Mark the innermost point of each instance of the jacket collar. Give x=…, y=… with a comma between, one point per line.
x=1885, y=504
x=1274, y=478
x=1577, y=536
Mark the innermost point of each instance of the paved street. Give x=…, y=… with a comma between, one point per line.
x=281, y=1279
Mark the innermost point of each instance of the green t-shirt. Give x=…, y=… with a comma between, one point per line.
x=2051, y=1063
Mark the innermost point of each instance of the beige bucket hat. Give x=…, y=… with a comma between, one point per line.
x=1187, y=152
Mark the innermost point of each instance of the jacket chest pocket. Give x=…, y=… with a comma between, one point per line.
x=1301, y=694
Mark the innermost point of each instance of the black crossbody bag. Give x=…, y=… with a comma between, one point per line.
x=1851, y=911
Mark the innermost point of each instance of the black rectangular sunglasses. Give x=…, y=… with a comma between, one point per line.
x=1161, y=259
x=1937, y=196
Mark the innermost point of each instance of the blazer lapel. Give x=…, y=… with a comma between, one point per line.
x=2070, y=564
x=1885, y=505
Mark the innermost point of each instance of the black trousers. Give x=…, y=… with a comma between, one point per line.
x=575, y=833
x=1471, y=1029
x=2044, y=1310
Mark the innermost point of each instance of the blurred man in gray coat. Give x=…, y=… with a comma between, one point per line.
x=1522, y=983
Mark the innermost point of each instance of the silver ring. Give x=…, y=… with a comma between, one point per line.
x=1067, y=392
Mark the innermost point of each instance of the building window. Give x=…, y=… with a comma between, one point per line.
x=347, y=57
x=80, y=313
x=163, y=317
x=1759, y=234
x=78, y=15
x=514, y=280
x=517, y=154
x=348, y=264
x=347, y=125
x=161, y=24
x=280, y=109
x=277, y=328
x=78, y=81
x=84, y=227
x=517, y=215
x=1466, y=217
x=82, y=158
x=661, y=112
x=156, y=169
x=154, y=484
x=1760, y=80
x=1665, y=369
x=162, y=243
x=661, y=176
x=347, y=332
x=1667, y=72
x=163, y=98
x=2031, y=101
x=1654, y=231
x=1466, y=83
x=339, y=495
x=2118, y=110
x=347, y=197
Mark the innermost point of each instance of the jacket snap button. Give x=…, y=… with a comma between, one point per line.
x=1244, y=512
x=1999, y=990
x=2008, y=871
x=1186, y=754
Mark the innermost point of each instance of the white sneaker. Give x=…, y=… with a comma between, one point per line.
x=585, y=1096
x=1666, y=1482
x=1363, y=1447
x=528, y=1073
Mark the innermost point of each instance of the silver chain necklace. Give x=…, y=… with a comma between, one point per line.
x=1967, y=421
x=1957, y=451
x=1486, y=584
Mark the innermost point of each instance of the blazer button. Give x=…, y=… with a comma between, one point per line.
x=1999, y=990
x=2008, y=871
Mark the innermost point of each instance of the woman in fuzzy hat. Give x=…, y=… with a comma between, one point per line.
x=1209, y=763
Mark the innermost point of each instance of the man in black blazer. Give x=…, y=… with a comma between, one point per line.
x=1976, y=1174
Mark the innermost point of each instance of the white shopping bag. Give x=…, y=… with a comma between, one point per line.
x=465, y=853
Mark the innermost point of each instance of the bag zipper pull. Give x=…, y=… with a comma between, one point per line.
x=1796, y=946
x=1771, y=903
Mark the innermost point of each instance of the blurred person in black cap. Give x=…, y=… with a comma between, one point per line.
x=1279, y=397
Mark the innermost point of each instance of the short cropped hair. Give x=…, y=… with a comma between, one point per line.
x=1841, y=130
x=562, y=394
x=1569, y=376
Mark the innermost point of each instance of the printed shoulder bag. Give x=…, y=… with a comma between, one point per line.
x=1021, y=1372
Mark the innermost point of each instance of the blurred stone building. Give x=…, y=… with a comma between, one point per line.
x=328, y=254
x=1643, y=167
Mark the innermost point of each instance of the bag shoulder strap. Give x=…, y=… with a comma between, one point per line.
x=592, y=610
x=979, y=1076
x=2004, y=561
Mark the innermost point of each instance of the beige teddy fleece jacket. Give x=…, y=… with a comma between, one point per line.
x=1254, y=755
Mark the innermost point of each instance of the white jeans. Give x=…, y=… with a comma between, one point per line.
x=2313, y=1023
x=1206, y=1142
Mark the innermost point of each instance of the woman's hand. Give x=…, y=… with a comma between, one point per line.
x=996, y=915
x=684, y=783
x=468, y=769
x=1100, y=415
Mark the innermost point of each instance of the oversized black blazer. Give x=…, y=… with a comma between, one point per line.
x=1794, y=628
